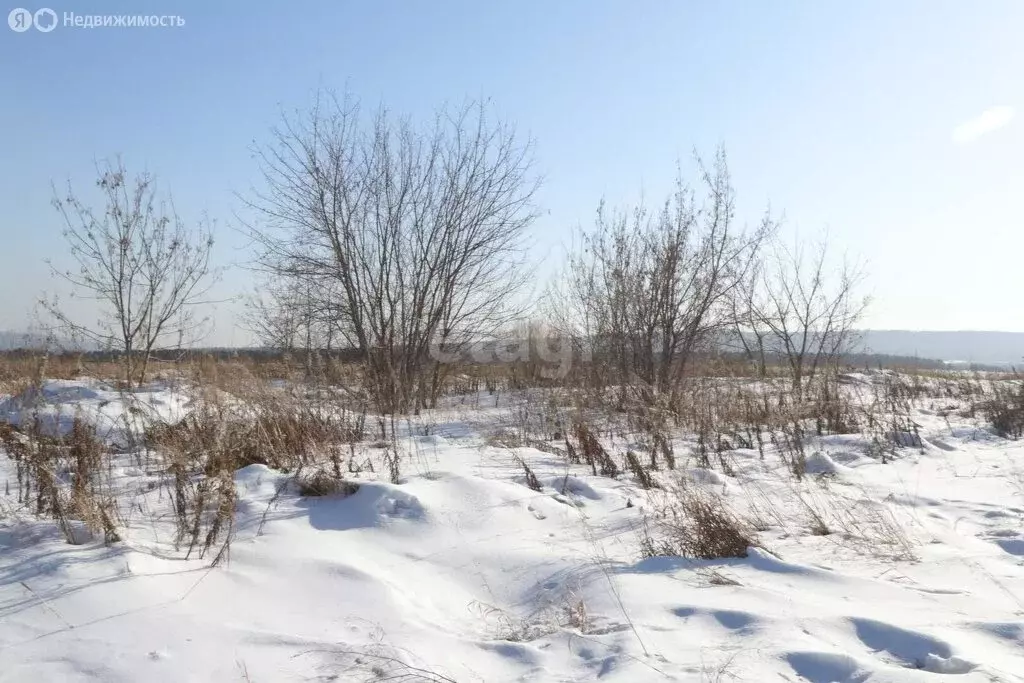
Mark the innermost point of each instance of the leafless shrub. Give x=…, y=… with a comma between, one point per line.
x=646, y=289
x=660, y=444
x=291, y=317
x=790, y=442
x=410, y=240
x=142, y=264
x=793, y=310
x=873, y=527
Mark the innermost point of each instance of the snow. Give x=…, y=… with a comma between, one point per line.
x=116, y=415
x=461, y=572
x=820, y=462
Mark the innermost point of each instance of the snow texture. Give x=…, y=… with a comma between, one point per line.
x=463, y=573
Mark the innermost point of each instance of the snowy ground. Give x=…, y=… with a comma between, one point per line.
x=463, y=573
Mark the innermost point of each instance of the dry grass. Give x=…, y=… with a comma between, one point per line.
x=320, y=482
x=1004, y=408
x=255, y=425
x=640, y=473
x=67, y=478
x=62, y=477
x=697, y=524
x=584, y=447
x=312, y=428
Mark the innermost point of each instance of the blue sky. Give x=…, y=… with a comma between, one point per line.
x=896, y=127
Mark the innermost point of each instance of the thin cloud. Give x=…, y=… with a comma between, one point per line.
x=988, y=121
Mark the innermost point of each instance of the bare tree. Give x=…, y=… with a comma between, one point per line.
x=293, y=315
x=275, y=316
x=415, y=236
x=805, y=315
x=139, y=262
x=647, y=289
x=750, y=336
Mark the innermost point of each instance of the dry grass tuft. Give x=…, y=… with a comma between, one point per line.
x=61, y=477
x=253, y=425
x=642, y=476
x=588, y=449
x=323, y=483
x=697, y=524
x=1005, y=408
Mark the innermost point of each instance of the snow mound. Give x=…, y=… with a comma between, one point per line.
x=820, y=462
x=119, y=416
x=701, y=475
x=951, y=665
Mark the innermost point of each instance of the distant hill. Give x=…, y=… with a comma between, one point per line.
x=991, y=348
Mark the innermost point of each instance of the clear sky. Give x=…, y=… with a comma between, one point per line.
x=896, y=126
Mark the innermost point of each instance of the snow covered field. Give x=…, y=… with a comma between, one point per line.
x=902, y=572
